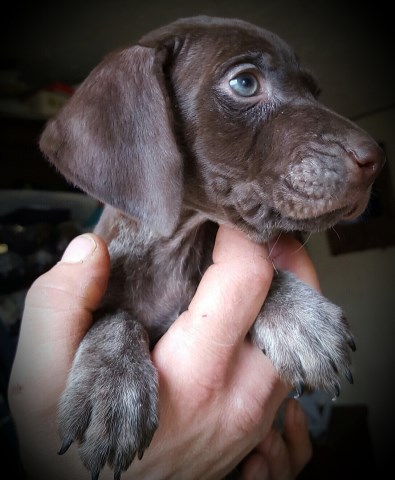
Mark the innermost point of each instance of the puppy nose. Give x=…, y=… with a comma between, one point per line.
x=368, y=160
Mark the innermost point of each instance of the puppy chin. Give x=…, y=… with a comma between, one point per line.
x=358, y=208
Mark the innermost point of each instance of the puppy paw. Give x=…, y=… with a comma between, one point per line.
x=110, y=404
x=306, y=337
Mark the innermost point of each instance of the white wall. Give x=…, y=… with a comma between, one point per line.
x=363, y=284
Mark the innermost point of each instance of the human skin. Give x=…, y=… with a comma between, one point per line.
x=218, y=393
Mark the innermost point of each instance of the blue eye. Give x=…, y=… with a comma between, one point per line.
x=244, y=84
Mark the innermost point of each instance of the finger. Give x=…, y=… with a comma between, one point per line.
x=288, y=254
x=255, y=467
x=275, y=451
x=231, y=292
x=296, y=435
x=282, y=457
x=58, y=311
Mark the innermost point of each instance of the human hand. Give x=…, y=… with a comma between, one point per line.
x=218, y=393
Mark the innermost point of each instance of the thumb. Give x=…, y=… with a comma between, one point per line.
x=58, y=312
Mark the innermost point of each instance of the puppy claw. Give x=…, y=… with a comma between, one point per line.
x=351, y=344
x=299, y=387
x=336, y=388
x=349, y=376
x=95, y=475
x=65, y=446
x=117, y=475
x=333, y=365
x=140, y=454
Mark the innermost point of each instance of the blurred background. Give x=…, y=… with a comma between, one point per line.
x=46, y=50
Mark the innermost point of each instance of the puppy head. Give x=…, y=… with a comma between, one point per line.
x=217, y=115
x=267, y=156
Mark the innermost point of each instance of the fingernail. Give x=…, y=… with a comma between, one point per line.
x=79, y=249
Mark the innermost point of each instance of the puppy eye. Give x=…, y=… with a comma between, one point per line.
x=244, y=84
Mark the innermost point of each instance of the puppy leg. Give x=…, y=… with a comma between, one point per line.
x=110, y=404
x=305, y=335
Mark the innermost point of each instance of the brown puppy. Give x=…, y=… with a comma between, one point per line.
x=205, y=121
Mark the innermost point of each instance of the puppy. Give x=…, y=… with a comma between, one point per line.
x=205, y=121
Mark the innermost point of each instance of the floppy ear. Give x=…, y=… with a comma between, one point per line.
x=114, y=139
